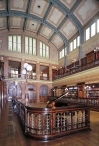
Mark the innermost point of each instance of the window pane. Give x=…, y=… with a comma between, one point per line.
x=26, y=49
x=87, y=34
x=40, y=51
x=30, y=42
x=10, y=46
x=74, y=43
x=47, y=51
x=14, y=46
x=19, y=48
x=30, y=45
x=60, y=55
x=10, y=38
x=10, y=43
x=40, y=44
x=19, y=39
x=63, y=53
x=34, y=51
x=14, y=39
x=78, y=41
x=30, y=50
x=43, y=50
x=34, y=46
x=93, y=29
x=34, y=43
x=26, y=40
x=71, y=46
x=97, y=25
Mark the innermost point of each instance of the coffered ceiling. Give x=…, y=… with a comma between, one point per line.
x=55, y=20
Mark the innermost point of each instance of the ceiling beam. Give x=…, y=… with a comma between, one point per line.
x=8, y=9
x=27, y=12
x=45, y=16
x=68, y=12
x=30, y=16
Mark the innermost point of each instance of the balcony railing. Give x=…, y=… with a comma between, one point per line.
x=23, y=76
x=77, y=69
x=48, y=123
x=44, y=78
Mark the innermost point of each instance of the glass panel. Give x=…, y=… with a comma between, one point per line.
x=40, y=51
x=10, y=46
x=30, y=50
x=34, y=51
x=19, y=39
x=26, y=49
x=34, y=43
x=97, y=25
x=14, y=39
x=10, y=43
x=30, y=45
x=19, y=48
x=10, y=38
x=71, y=46
x=26, y=40
x=34, y=46
x=78, y=41
x=87, y=34
x=14, y=43
x=14, y=46
x=43, y=50
x=40, y=45
x=93, y=28
x=74, y=43
x=63, y=53
x=47, y=51
x=30, y=42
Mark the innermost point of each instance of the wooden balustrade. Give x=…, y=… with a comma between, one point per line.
x=77, y=69
x=47, y=123
x=92, y=103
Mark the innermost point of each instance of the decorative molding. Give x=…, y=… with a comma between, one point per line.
x=27, y=57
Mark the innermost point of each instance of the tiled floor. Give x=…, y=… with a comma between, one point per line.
x=11, y=133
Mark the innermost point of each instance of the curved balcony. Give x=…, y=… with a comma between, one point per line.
x=43, y=123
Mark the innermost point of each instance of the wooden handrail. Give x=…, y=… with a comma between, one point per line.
x=77, y=69
x=48, y=123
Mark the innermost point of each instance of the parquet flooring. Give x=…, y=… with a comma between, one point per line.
x=11, y=133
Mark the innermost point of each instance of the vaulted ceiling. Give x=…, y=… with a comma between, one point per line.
x=56, y=20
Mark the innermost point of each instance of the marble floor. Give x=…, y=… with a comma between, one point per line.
x=11, y=133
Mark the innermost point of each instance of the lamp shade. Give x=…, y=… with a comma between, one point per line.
x=29, y=67
x=23, y=71
x=25, y=65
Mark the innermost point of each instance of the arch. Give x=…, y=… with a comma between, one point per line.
x=32, y=91
x=14, y=90
x=44, y=90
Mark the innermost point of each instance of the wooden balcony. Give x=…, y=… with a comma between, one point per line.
x=43, y=123
x=76, y=69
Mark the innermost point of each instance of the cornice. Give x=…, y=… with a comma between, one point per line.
x=27, y=57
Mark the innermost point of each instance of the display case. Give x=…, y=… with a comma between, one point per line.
x=92, y=90
x=72, y=92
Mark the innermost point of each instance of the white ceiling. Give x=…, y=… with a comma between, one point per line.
x=56, y=20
